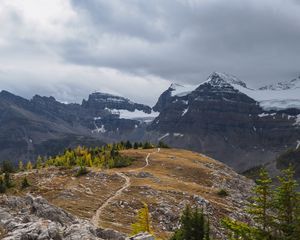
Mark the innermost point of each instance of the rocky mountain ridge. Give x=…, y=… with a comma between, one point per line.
x=221, y=117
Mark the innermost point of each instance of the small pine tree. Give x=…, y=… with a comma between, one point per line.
x=194, y=225
x=147, y=145
x=39, y=162
x=2, y=185
x=143, y=223
x=29, y=166
x=161, y=144
x=260, y=209
x=7, y=181
x=287, y=201
x=25, y=183
x=82, y=171
x=7, y=167
x=136, y=145
x=21, y=166
x=276, y=212
x=128, y=145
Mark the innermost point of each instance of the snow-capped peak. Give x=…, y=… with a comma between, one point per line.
x=181, y=90
x=286, y=85
x=224, y=79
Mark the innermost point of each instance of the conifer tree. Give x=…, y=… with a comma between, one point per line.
x=29, y=166
x=261, y=206
x=39, y=162
x=2, y=185
x=25, y=183
x=287, y=201
x=21, y=166
x=128, y=145
x=7, y=167
x=276, y=213
x=143, y=222
x=136, y=145
x=7, y=180
x=194, y=226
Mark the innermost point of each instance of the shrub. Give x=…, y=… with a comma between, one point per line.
x=25, y=183
x=222, y=193
x=2, y=185
x=82, y=171
x=194, y=225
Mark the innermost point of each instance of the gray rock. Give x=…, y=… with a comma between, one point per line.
x=33, y=218
x=141, y=236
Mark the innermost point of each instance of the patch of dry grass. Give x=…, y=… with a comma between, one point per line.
x=173, y=178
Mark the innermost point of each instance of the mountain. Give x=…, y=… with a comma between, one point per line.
x=44, y=126
x=226, y=120
x=222, y=117
x=286, y=85
x=174, y=90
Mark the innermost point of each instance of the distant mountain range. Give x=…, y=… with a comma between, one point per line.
x=220, y=117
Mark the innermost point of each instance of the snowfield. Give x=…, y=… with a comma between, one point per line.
x=180, y=90
x=135, y=115
x=273, y=99
x=279, y=96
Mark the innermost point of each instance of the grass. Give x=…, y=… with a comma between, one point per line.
x=174, y=178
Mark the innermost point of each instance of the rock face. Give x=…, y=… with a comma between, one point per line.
x=44, y=126
x=141, y=236
x=34, y=218
x=219, y=119
x=100, y=101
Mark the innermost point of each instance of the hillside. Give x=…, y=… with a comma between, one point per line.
x=166, y=179
x=291, y=157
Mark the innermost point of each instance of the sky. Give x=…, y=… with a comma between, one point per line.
x=137, y=48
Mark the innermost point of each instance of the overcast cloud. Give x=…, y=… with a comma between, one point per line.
x=136, y=48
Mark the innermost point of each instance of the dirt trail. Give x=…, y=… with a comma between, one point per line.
x=96, y=218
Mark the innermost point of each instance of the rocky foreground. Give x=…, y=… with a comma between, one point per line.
x=29, y=217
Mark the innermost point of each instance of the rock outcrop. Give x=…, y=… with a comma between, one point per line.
x=33, y=218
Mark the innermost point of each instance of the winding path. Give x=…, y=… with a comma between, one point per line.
x=96, y=218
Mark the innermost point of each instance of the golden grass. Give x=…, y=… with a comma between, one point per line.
x=175, y=176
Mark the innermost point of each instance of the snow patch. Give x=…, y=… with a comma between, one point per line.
x=180, y=90
x=184, y=112
x=273, y=100
x=164, y=136
x=99, y=130
x=135, y=115
x=298, y=144
x=266, y=114
x=297, y=120
x=178, y=134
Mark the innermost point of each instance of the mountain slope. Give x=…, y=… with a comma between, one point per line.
x=44, y=126
x=221, y=119
x=166, y=180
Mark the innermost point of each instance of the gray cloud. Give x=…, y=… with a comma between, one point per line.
x=146, y=42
